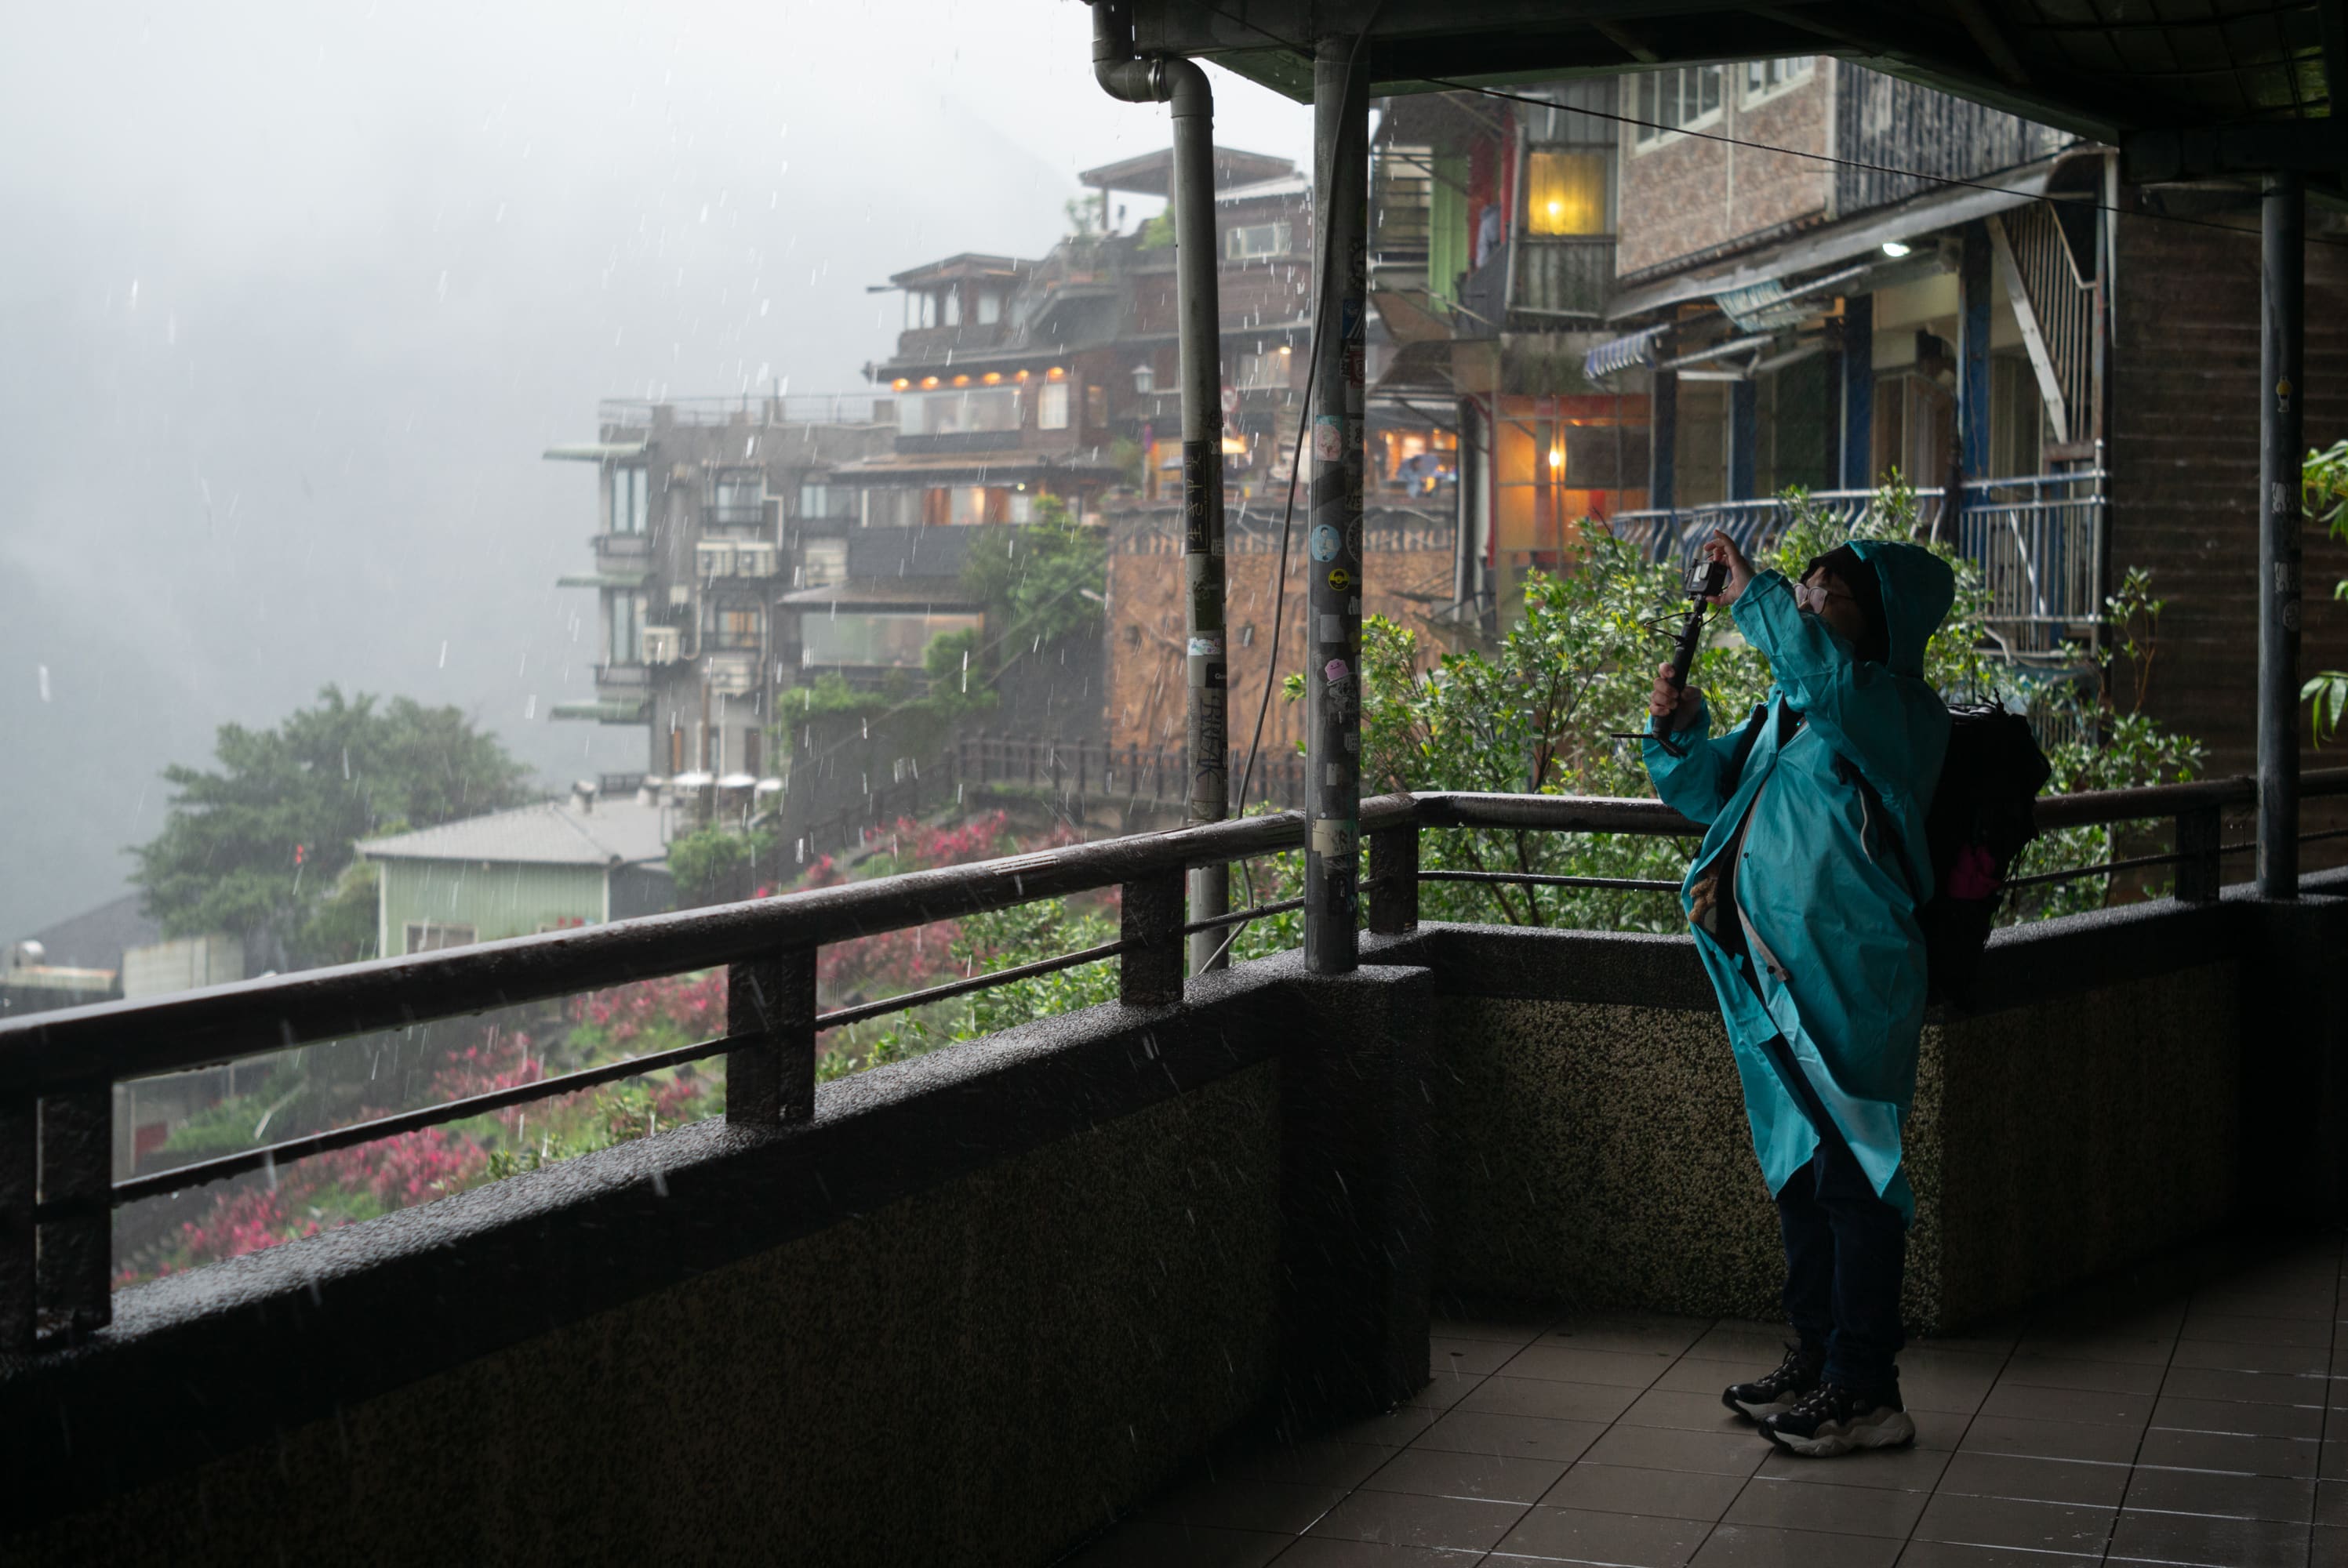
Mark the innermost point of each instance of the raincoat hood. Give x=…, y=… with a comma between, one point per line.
x=1917, y=589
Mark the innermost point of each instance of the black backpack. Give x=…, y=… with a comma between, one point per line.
x=1982, y=818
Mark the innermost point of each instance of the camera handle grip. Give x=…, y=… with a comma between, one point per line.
x=1682, y=656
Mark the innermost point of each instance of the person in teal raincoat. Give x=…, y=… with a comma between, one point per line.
x=1803, y=901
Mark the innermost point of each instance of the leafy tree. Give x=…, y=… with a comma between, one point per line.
x=1556, y=708
x=260, y=845
x=1049, y=582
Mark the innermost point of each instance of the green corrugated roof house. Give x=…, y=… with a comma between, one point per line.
x=541, y=867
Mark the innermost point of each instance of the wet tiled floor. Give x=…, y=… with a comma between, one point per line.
x=2186, y=1414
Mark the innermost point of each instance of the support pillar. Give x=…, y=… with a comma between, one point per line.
x=1744, y=432
x=1972, y=357
x=2281, y=380
x=1332, y=790
x=1197, y=260
x=1663, y=441
x=1858, y=393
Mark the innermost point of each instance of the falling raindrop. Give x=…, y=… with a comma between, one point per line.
x=45, y=680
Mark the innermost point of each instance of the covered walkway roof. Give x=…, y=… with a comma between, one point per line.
x=2193, y=89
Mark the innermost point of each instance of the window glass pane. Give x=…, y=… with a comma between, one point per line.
x=1052, y=406
x=990, y=308
x=1566, y=192
x=884, y=639
x=953, y=307
x=1710, y=79
x=626, y=646
x=958, y=413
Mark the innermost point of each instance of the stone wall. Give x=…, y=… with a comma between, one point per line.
x=1406, y=565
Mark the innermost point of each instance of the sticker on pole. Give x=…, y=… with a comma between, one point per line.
x=1334, y=836
x=1328, y=438
x=1323, y=542
x=1340, y=579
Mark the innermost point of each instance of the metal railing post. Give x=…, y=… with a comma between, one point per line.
x=1149, y=971
x=71, y=1277
x=2198, y=835
x=772, y=999
x=19, y=1140
x=1394, y=880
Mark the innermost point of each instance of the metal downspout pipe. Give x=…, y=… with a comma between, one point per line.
x=1198, y=289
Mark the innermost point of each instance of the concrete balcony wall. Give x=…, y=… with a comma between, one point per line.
x=982, y=1301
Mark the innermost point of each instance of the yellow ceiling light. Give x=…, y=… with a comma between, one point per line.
x=899, y=384
x=928, y=382
x=1021, y=376
x=1557, y=458
x=991, y=377
x=1055, y=374
x=962, y=381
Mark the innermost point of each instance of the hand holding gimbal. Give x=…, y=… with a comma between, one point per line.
x=1707, y=579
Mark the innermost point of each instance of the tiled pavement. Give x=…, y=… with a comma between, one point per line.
x=2184, y=1415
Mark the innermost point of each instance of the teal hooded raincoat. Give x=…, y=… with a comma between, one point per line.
x=1827, y=909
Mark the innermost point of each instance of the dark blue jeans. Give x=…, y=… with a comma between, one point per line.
x=1846, y=1250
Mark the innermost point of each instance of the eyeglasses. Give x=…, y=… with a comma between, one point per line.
x=1813, y=596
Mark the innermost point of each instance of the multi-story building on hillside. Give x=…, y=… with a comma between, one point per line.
x=708, y=510
x=1825, y=275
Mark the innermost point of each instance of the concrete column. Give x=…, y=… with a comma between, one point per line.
x=2282, y=378
x=1663, y=441
x=1744, y=432
x=1356, y=1103
x=1858, y=393
x=1332, y=787
x=1198, y=252
x=1972, y=358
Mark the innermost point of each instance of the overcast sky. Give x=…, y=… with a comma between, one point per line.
x=292, y=297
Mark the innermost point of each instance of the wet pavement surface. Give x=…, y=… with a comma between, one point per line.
x=2190, y=1412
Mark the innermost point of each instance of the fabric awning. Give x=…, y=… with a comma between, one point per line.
x=1622, y=353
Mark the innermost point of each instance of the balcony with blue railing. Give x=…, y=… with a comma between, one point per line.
x=2039, y=540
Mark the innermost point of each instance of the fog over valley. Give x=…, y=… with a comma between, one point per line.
x=293, y=297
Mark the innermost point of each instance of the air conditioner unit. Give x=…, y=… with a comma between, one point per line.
x=713, y=557
x=754, y=559
x=660, y=644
